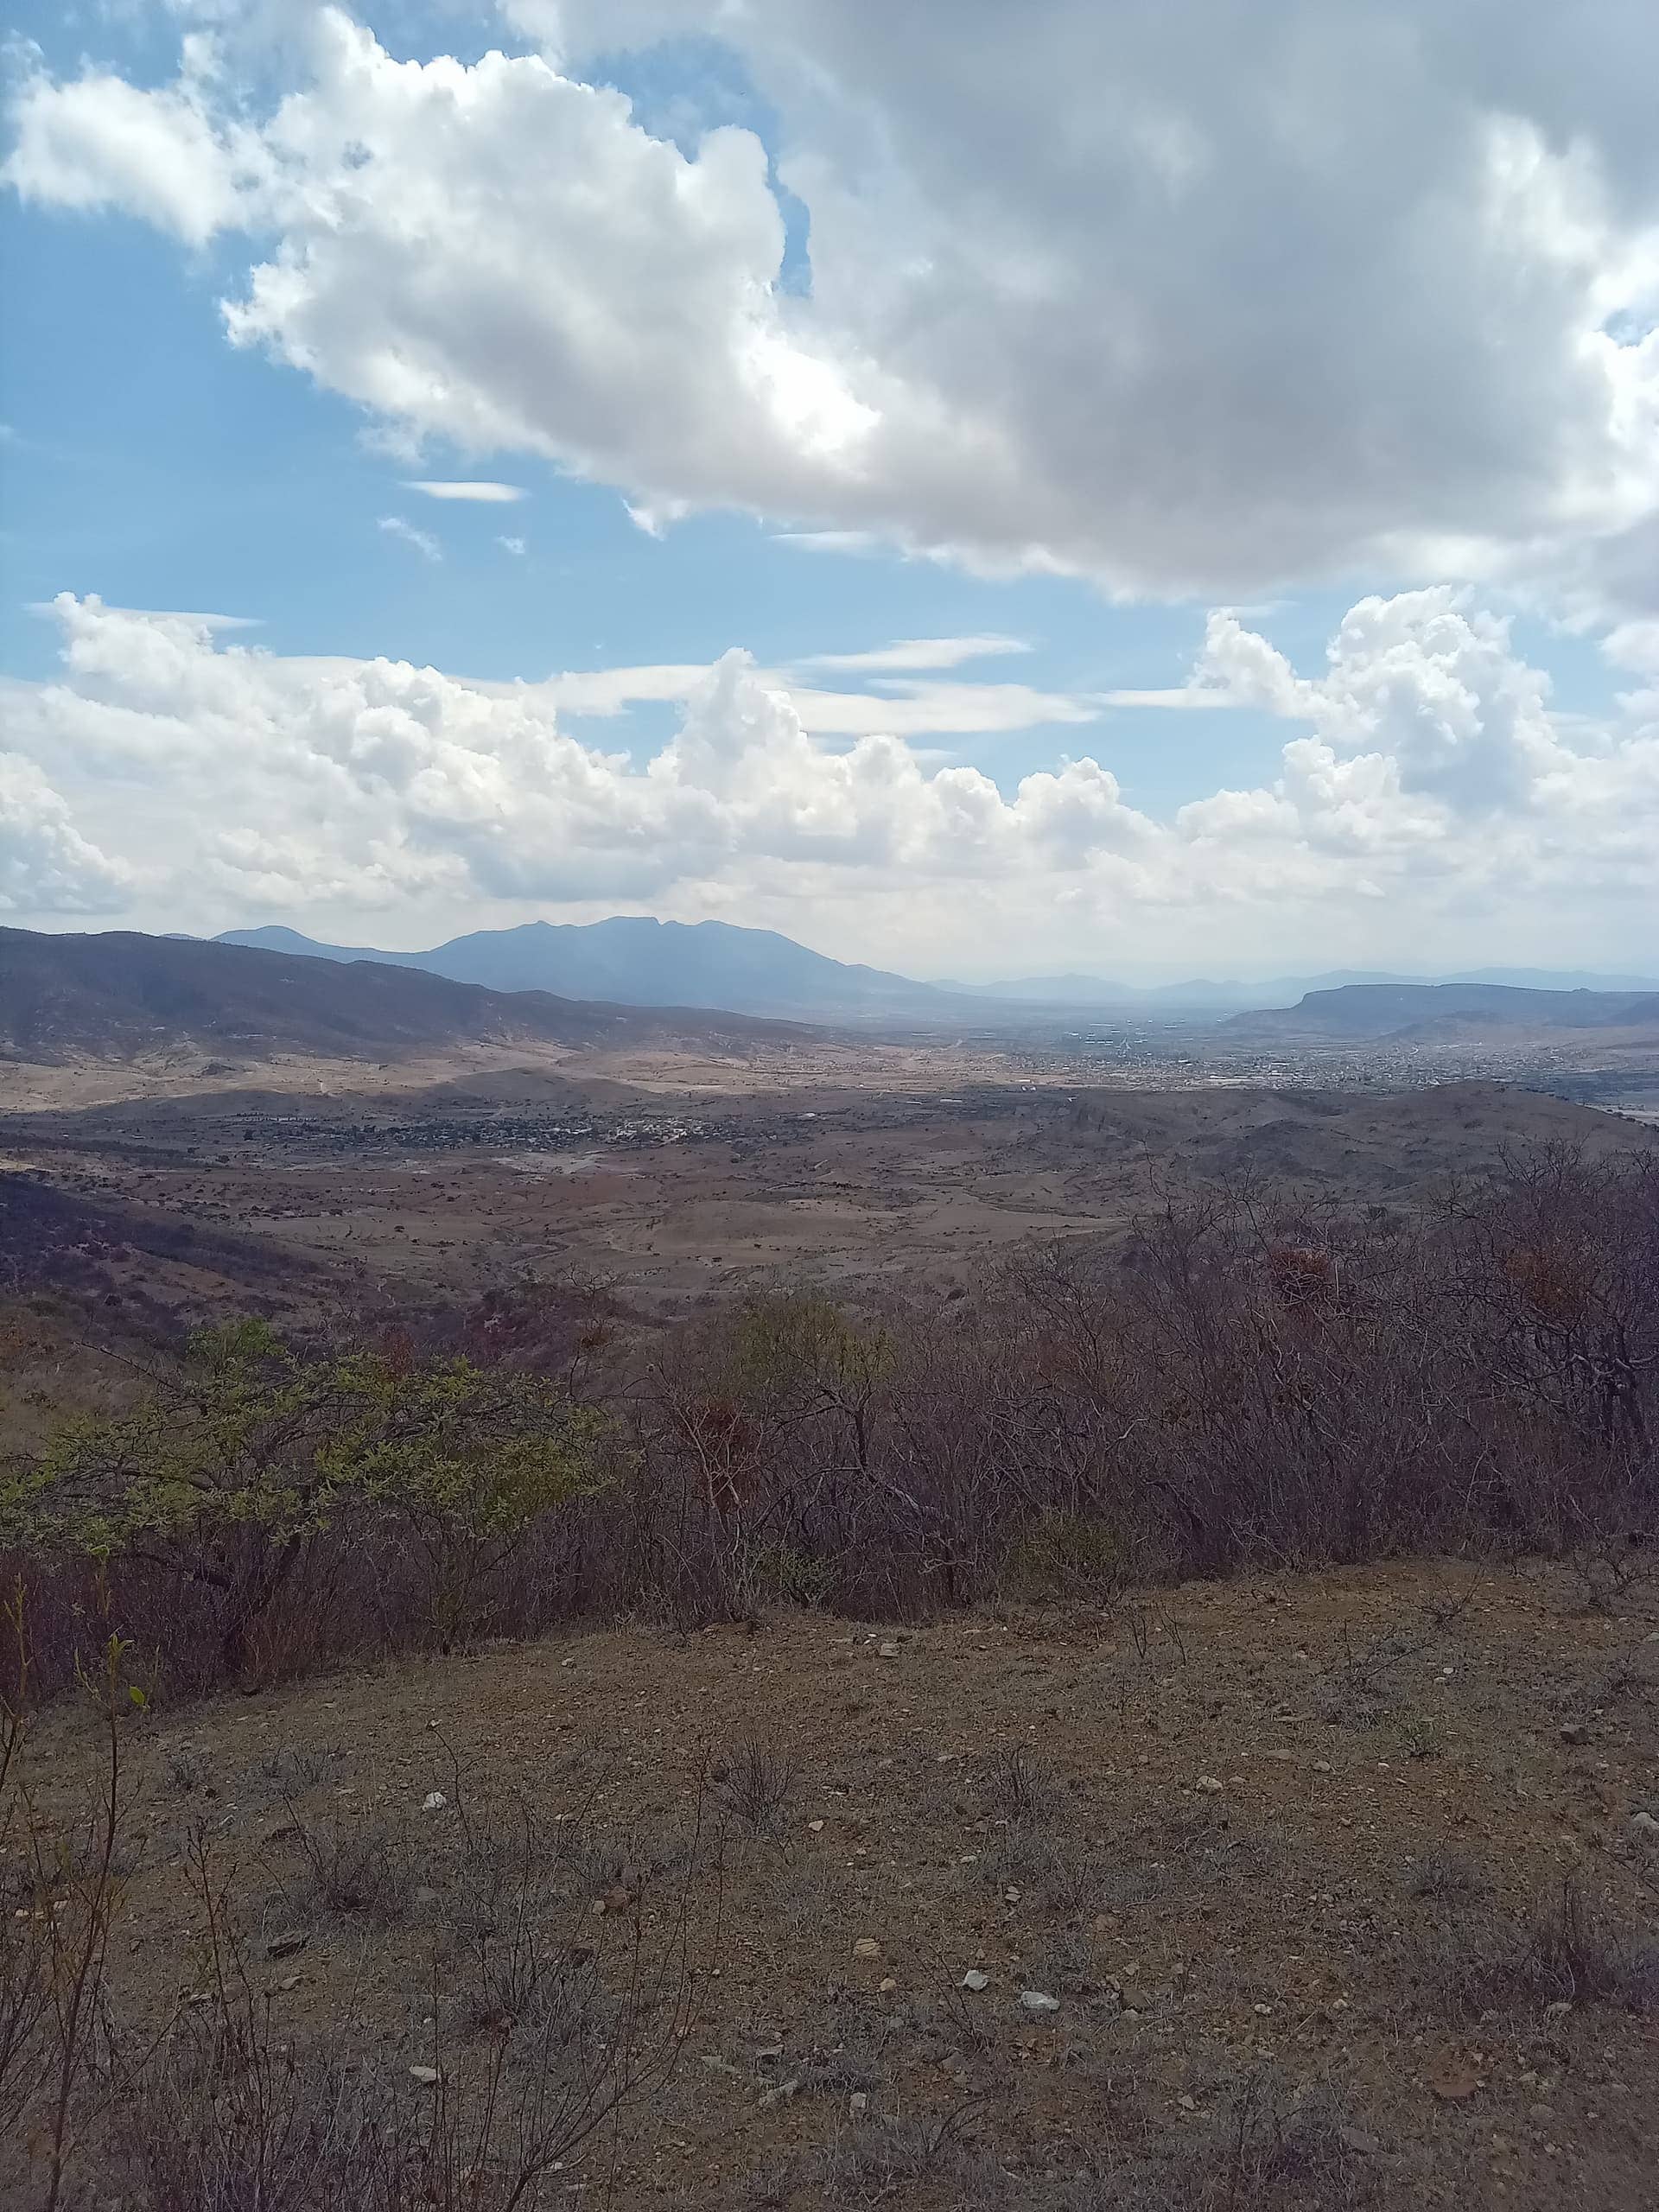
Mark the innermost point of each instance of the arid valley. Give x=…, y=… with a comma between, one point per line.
x=1083, y=1638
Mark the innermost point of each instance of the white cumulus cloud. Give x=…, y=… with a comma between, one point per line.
x=1184, y=297
x=1423, y=776
x=45, y=866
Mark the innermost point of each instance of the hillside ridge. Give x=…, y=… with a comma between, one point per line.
x=117, y=994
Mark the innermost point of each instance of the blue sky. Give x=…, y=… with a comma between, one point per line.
x=1020, y=485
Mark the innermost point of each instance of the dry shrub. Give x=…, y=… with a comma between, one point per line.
x=754, y=1780
x=543, y=2041
x=356, y=1864
x=1265, y=2150
x=1471, y=1958
x=1241, y=1381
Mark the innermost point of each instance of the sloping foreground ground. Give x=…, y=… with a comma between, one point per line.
x=1341, y=1885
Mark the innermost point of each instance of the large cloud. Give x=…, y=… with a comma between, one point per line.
x=1187, y=297
x=45, y=866
x=415, y=777
x=1423, y=771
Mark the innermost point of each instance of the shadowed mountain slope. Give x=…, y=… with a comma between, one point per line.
x=117, y=994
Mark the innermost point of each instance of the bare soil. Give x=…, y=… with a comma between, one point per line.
x=1286, y=1852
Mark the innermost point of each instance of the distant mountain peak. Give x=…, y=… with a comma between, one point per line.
x=639, y=960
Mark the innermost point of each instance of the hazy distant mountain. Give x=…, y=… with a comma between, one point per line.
x=1271, y=991
x=1547, y=979
x=634, y=960
x=116, y=994
x=1445, y=1012
x=1051, y=990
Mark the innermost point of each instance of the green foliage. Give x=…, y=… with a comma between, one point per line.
x=1421, y=1736
x=786, y=1572
x=226, y=1473
x=800, y=1342
x=1069, y=1554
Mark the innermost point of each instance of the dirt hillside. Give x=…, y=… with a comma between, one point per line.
x=1293, y=1892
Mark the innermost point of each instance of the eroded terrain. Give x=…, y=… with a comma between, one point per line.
x=486, y=1180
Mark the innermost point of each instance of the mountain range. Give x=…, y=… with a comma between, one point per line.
x=117, y=993
x=1202, y=993
x=1431, y=1013
x=634, y=960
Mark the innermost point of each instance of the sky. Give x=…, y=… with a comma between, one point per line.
x=1151, y=490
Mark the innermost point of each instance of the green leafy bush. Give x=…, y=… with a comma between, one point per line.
x=225, y=1472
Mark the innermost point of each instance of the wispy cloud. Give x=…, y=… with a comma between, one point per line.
x=214, y=623
x=489, y=495
x=921, y=707
x=830, y=541
x=516, y=546
x=1186, y=698
x=911, y=709
x=422, y=540
x=912, y=654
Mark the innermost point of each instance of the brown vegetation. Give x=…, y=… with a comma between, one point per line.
x=1245, y=1386
x=1232, y=1388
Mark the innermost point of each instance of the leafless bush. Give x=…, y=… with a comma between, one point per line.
x=1265, y=2150
x=754, y=1780
x=186, y=1770
x=850, y=2054
x=63, y=1891
x=768, y=2187
x=356, y=1864
x=520, y=1912
x=1471, y=1958
x=24, y=1943
x=1060, y=1872
x=1581, y=1952
x=229, y=2115
x=867, y=2162
x=1019, y=1789
x=1447, y=1874
x=294, y=1770
x=229, y=2112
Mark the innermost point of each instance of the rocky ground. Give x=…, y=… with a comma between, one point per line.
x=1299, y=1891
